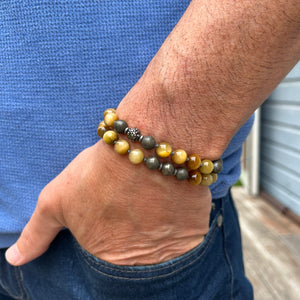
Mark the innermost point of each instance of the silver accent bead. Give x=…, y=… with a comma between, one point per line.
x=133, y=134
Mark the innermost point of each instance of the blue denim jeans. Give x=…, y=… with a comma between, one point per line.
x=213, y=270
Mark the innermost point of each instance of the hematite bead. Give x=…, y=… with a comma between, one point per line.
x=120, y=126
x=182, y=174
x=148, y=142
x=218, y=166
x=167, y=169
x=152, y=163
x=133, y=134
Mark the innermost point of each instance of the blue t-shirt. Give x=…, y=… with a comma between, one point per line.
x=62, y=63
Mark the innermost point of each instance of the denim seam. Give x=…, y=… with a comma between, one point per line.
x=158, y=276
x=5, y=288
x=213, y=227
x=19, y=277
x=228, y=262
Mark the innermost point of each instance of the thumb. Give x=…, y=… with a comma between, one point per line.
x=35, y=238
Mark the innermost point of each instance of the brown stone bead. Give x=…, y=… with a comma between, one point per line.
x=101, y=131
x=207, y=179
x=110, y=118
x=121, y=146
x=179, y=157
x=164, y=150
x=194, y=162
x=207, y=166
x=136, y=156
x=109, y=137
x=195, y=177
x=102, y=128
x=109, y=111
x=214, y=176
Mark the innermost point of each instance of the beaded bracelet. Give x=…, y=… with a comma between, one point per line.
x=203, y=172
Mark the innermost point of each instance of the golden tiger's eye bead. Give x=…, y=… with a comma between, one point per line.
x=102, y=128
x=101, y=131
x=179, y=157
x=207, y=179
x=121, y=146
x=109, y=137
x=214, y=176
x=194, y=162
x=136, y=156
x=109, y=111
x=163, y=150
x=110, y=118
x=195, y=177
x=207, y=166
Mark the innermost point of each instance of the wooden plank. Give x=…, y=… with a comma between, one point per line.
x=270, y=265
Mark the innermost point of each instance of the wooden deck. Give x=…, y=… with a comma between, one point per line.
x=271, y=244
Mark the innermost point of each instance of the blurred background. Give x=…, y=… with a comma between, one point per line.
x=268, y=194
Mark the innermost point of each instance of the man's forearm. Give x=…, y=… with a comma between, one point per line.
x=217, y=66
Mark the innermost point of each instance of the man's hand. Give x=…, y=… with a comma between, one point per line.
x=119, y=212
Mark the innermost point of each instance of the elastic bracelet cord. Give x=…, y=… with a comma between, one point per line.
x=195, y=170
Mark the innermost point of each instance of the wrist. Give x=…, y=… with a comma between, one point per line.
x=160, y=218
x=177, y=116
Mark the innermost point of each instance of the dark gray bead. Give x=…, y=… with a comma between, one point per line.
x=182, y=174
x=168, y=169
x=152, y=163
x=120, y=126
x=133, y=134
x=148, y=142
x=218, y=166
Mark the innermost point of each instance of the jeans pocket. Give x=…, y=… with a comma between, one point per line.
x=160, y=270
x=201, y=273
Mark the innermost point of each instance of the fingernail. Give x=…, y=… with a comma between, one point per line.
x=13, y=255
